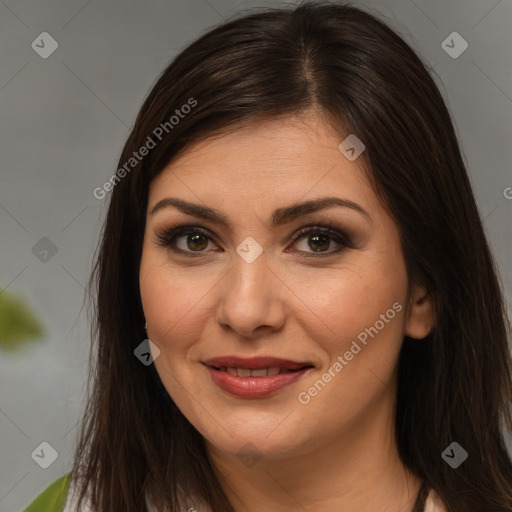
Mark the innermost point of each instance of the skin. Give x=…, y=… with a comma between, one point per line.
x=337, y=452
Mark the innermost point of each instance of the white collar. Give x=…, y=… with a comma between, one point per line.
x=433, y=504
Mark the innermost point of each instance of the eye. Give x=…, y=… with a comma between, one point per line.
x=185, y=240
x=193, y=241
x=319, y=238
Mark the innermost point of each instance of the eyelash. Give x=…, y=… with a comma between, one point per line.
x=167, y=238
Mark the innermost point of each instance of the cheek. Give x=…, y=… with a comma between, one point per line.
x=346, y=303
x=360, y=336
x=172, y=301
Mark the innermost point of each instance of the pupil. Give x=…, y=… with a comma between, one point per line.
x=196, y=239
x=316, y=238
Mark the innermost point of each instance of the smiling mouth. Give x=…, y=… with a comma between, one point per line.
x=256, y=377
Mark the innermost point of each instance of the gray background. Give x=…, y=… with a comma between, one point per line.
x=64, y=120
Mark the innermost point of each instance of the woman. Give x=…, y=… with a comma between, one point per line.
x=292, y=223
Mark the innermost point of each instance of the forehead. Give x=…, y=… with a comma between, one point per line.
x=291, y=156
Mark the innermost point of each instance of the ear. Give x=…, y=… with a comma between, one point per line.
x=420, y=319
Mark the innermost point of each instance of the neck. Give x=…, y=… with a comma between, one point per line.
x=356, y=469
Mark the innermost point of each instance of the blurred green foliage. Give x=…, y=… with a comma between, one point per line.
x=18, y=324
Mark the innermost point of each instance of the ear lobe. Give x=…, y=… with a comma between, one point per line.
x=420, y=318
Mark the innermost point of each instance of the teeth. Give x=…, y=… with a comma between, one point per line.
x=261, y=372
x=258, y=373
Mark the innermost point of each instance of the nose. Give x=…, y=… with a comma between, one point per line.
x=252, y=299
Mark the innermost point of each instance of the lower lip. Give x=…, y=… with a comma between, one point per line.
x=254, y=387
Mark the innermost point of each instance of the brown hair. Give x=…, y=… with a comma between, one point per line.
x=456, y=385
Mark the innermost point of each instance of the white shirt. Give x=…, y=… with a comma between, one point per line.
x=432, y=505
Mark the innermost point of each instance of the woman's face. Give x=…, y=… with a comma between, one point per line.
x=317, y=338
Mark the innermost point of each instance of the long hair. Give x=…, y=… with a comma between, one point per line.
x=351, y=68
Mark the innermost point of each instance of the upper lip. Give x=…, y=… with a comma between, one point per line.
x=254, y=363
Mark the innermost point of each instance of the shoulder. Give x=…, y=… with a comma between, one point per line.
x=433, y=503
x=53, y=498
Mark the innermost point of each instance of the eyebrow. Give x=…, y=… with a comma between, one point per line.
x=279, y=217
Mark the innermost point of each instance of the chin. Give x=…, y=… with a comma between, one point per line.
x=261, y=440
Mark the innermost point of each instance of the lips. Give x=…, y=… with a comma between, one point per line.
x=255, y=377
